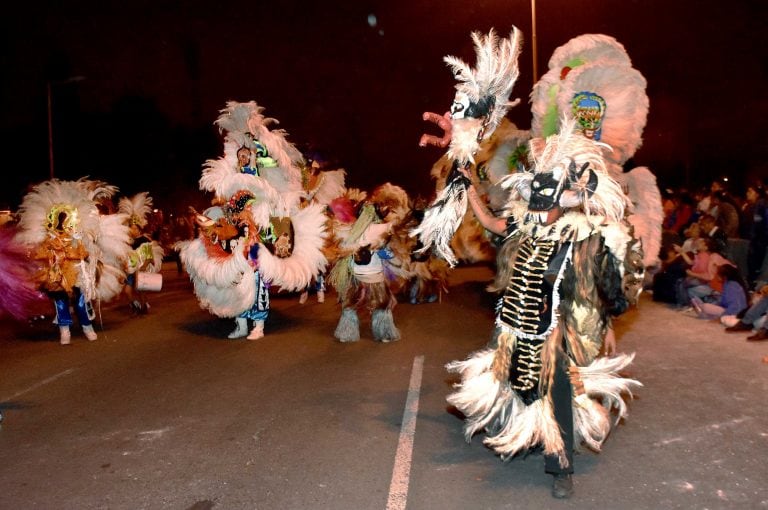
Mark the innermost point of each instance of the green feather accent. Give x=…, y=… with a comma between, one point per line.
x=340, y=277
x=518, y=157
x=550, y=123
x=367, y=216
x=551, y=120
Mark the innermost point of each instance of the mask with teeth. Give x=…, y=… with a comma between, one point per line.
x=545, y=192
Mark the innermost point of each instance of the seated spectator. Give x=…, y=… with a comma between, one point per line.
x=733, y=297
x=696, y=271
x=673, y=266
x=702, y=280
x=754, y=318
x=672, y=271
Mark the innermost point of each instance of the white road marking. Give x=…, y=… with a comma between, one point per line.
x=401, y=473
x=39, y=384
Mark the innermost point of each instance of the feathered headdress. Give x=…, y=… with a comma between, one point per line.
x=138, y=207
x=598, y=65
x=577, y=163
x=482, y=94
x=481, y=101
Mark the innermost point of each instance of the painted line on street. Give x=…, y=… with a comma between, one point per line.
x=39, y=384
x=401, y=473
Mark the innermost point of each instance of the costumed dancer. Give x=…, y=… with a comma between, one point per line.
x=78, y=251
x=321, y=186
x=261, y=237
x=500, y=154
x=571, y=264
x=370, y=266
x=146, y=255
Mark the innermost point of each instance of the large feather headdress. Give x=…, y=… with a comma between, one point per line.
x=598, y=64
x=482, y=94
x=480, y=103
x=244, y=122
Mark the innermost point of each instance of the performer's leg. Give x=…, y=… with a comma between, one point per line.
x=320, y=288
x=258, y=325
x=563, y=409
x=241, y=328
x=383, y=326
x=82, y=315
x=348, y=328
x=63, y=317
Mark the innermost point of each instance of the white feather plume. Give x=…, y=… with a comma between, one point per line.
x=223, y=286
x=441, y=220
x=138, y=207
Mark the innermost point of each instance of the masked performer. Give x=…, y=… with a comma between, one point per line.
x=371, y=265
x=567, y=266
x=261, y=237
x=79, y=252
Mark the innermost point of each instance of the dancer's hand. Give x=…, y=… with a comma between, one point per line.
x=444, y=123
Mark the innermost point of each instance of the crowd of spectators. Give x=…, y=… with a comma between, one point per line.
x=713, y=256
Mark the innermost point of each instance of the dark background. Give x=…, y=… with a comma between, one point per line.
x=151, y=77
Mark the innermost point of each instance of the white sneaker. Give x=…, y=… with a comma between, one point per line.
x=64, y=335
x=90, y=334
x=320, y=296
x=303, y=297
x=241, y=329
x=257, y=331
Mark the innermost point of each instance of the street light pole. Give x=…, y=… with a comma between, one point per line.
x=533, y=42
x=49, y=96
x=50, y=130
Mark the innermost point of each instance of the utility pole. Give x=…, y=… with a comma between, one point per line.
x=533, y=42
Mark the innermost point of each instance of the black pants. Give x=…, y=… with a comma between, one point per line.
x=563, y=410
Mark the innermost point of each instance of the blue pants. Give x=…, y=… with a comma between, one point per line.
x=62, y=301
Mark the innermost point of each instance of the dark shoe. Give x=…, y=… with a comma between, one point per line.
x=761, y=334
x=562, y=486
x=739, y=326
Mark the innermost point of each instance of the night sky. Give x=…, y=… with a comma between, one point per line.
x=349, y=79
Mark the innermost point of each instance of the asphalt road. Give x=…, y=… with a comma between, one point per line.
x=162, y=411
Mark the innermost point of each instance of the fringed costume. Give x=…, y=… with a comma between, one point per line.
x=567, y=265
x=371, y=264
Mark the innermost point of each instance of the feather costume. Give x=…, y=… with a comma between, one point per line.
x=262, y=227
x=64, y=213
x=563, y=282
x=149, y=255
x=481, y=102
x=374, y=261
x=20, y=294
